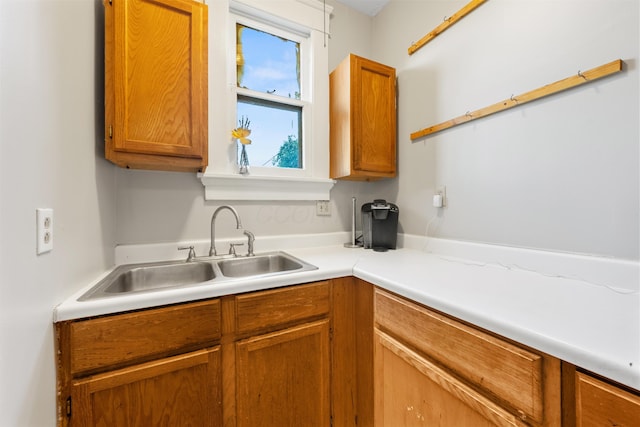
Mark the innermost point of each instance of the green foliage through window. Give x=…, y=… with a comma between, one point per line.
x=289, y=154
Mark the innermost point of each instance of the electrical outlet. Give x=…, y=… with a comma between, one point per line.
x=44, y=230
x=323, y=208
x=442, y=192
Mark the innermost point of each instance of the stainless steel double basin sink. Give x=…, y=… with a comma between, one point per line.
x=136, y=278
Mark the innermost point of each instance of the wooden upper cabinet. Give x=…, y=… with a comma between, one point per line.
x=362, y=120
x=156, y=84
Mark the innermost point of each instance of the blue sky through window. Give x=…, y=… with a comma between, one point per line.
x=270, y=65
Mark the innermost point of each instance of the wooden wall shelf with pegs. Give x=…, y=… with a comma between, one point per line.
x=446, y=24
x=514, y=101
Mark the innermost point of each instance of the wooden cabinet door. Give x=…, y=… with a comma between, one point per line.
x=362, y=104
x=156, y=84
x=183, y=390
x=411, y=391
x=374, y=117
x=602, y=404
x=283, y=378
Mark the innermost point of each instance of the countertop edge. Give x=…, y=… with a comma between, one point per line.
x=335, y=261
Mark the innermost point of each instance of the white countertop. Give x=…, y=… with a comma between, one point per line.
x=583, y=310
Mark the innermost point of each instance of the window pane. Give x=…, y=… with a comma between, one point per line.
x=275, y=133
x=267, y=63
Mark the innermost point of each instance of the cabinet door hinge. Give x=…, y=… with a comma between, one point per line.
x=69, y=407
x=111, y=131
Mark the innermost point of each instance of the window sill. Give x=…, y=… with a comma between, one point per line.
x=250, y=187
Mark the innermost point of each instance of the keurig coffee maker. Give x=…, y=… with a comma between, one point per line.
x=379, y=225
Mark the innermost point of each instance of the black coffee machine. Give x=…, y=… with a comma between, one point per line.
x=379, y=225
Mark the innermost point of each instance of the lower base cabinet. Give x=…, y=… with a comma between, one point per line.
x=412, y=391
x=339, y=353
x=431, y=369
x=176, y=391
x=258, y=359
x=283, y=378
x=602, y=404
x=155, y=367
x=589, y=401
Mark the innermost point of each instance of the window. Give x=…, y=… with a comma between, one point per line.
x=269, y=64
x=269, y=72
x=275, y=70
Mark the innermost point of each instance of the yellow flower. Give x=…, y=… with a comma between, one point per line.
x=241, y=134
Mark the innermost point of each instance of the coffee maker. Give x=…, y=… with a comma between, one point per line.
x=379, y=225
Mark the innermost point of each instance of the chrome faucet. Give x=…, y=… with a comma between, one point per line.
x=251, y=239
x=212, y=249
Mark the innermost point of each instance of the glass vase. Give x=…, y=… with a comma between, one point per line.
x=243, y=161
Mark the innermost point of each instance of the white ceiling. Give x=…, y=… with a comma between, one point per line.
x=368, y=7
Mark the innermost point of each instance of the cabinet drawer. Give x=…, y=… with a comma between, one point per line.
x=268, y=309
x=512, y=374
x=602, y=404
x=121, y=339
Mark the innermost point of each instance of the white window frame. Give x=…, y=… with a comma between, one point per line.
x=305, y=101
x=303, y=21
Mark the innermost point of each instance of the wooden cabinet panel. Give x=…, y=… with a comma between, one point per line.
x=601, y=404
x=156, y=84
x=352, y=352
x=374, y=130
x=516, y=376
x=177, y=391
x=411, y=391
x=101, y=343
x=260, y=311
x=283, y=378
x=362, y=99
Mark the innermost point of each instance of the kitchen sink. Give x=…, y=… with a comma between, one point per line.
x=147, y=277
x=260, y=265
x=137, y=278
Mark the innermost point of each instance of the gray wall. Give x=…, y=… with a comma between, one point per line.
x=50, y=157
x=561, y=173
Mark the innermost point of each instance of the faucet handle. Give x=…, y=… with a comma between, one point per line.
x=192, y=252
x=232, y=248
